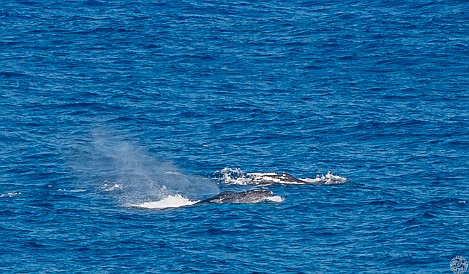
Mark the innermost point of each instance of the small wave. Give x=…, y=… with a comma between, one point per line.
x=77, y=190
x=236, y=176
x=10, y=194
x=168, y=202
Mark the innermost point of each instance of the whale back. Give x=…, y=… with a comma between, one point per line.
x=245, y=197
x=274, y=178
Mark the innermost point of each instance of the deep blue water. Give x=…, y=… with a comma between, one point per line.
x=99, y=99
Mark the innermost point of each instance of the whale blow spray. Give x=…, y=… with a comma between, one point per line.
x=125, y=168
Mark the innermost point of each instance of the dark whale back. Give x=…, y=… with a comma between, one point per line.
x=247, y=197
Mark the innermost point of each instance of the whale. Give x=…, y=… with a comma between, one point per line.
x=242, y=197
x=273, y=178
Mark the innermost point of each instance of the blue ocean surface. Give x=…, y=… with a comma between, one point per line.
x=117, y=116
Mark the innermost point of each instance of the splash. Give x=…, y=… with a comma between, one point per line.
x=171, y=201
x=236, y=176
x=327, y=179
x=276, y=199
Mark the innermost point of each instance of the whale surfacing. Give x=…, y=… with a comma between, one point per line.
x=236, y=176
x=274, y=178
x=244, y=197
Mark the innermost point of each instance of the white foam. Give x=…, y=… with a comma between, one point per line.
x=111, y=187
x=328, y=179
x=168, y=202
x=10, y=194
x=277, y=199
x=234, y=176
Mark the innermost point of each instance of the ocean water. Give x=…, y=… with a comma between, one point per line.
x=116, y=116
